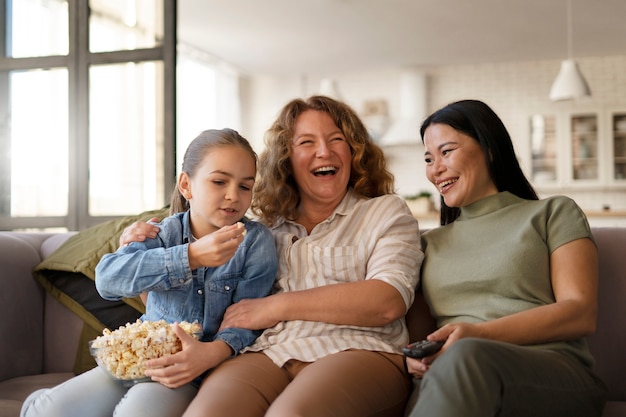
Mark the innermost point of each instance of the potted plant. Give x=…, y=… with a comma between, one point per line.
x=420, y=203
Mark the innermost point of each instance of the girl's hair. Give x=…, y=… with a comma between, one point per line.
x=204, y=143
x=477, y=120
x=276, y=192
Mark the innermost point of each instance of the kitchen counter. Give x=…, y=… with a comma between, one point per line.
x=596, y=218
x=605, y=213
x=606, y=218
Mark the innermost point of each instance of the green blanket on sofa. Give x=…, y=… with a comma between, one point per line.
x=68, y=275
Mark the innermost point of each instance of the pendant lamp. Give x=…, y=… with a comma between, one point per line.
x=570, y=82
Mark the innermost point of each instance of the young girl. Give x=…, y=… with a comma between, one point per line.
x=205, y=257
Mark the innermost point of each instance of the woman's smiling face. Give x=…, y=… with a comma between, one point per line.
x=456, y=165
x=320, y=159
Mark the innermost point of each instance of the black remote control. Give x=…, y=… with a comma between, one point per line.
x=422, y=349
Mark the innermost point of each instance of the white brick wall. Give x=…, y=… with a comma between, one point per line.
x=514, y=90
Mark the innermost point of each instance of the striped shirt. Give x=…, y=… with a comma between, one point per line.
x=363, y=239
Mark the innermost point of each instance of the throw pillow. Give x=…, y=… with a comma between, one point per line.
x=68, y=275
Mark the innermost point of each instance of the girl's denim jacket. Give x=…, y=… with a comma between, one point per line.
x=160, y=267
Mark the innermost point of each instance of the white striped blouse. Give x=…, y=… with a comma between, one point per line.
x=363, y=239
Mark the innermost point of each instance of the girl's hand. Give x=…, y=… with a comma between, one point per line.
x=139, y=231
x=216, y=248
x=181, y=368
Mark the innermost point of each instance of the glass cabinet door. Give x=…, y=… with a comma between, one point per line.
x=544, y=148
x=584, y=137
x=618, y=127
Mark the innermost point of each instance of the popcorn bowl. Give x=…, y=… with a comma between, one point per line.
x=122, y=353
x=111, y=363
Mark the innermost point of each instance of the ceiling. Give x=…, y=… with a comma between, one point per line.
x=319, y=37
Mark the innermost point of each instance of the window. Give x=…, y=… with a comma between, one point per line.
x=87, y=110
x=207, y=94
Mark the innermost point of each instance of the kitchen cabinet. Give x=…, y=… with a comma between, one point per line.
x=618, y=129
x=544, y=146
x=583, y=149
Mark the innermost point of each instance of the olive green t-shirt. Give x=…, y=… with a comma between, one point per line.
x=494, y=260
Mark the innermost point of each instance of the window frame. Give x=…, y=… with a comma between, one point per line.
x=78, y=62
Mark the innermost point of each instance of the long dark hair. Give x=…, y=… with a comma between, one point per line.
x=477, y=120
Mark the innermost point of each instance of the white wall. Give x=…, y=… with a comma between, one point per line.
x=513, y=90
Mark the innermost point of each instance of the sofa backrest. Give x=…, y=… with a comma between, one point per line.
x=21, y=308
x=608, y=344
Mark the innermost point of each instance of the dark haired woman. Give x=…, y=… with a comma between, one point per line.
x=510, y=279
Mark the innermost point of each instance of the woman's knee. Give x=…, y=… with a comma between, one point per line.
x=244, y=385
x=466, y=358
x=472, y=348
x=340, y=385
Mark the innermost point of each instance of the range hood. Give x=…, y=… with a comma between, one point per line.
x=405, y=130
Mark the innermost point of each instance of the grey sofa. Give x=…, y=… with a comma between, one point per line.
x=39, y=336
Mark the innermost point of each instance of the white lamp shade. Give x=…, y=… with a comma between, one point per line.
x=406, y=130
x=570, y=83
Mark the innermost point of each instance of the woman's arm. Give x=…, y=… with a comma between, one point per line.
x=378, y=298
x=364, y=303
x=574, y=277
x=371, y=302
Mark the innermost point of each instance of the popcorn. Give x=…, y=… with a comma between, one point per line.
x=240, y=225
x=123, y=351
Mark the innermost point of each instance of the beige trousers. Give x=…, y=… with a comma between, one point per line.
x=345, y=384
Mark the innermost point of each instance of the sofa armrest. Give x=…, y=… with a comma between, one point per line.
x=21, y=309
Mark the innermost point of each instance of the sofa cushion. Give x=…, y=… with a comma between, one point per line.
x=14, y=391
x=21, y=387
x=68, y=275
x=614, y=409
x=79, y=255
x=22, y=301
x=608, y=344
x=78, y=292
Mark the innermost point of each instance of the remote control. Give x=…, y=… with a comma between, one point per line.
x=422, y=349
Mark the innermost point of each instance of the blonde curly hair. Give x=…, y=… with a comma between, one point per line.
x=276, y=192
